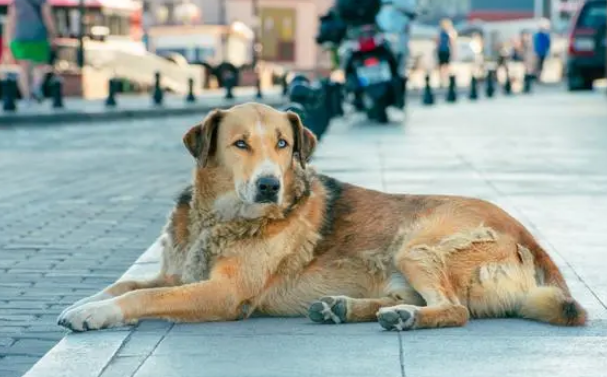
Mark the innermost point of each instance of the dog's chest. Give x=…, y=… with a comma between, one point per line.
x=210, y=244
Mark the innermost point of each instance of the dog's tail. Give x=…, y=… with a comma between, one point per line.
x=551, y=302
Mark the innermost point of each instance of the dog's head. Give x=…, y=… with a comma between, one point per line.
x=253, y=149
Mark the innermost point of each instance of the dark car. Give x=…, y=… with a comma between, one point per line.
x=586, y=54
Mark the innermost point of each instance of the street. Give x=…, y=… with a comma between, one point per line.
x=80, y=203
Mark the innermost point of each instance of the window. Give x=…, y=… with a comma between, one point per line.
x=593, y=15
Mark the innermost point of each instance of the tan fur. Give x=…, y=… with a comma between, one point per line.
x=412, y=261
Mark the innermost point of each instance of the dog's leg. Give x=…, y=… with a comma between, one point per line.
x=341, y=309
x=120, y=288
x=425, y=270
x=211, y=300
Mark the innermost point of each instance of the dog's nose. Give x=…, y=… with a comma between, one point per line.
x=267, y=188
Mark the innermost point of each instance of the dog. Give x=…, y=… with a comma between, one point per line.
x=260, y=232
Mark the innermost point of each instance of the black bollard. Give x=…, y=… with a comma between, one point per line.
x=473, y=89
x=157, y=95
x=338, y=99
x=229, y=92
x=451, y=91
x=333, y=99
x=57, y=92
x=527, y=83
x=285, y=85
x=258, y=94
x=328, y=89
x=9, y=93
x=508, y=85
x=399, y=85
x=428, y=97
x=404, y=81
x=190, y=98
x=110, y=101
x=490, y=84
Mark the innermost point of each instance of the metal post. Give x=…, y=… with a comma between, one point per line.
x=257, y=49
x=190, y=98
x=80, y=52
x=57, y=92
x=9, y=93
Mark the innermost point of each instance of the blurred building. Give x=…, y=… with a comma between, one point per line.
x=558, y=11
x=286, y=28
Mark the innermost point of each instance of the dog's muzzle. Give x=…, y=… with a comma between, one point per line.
x=267, y=189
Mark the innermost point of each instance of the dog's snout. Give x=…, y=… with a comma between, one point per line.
x=267, y=189
x=268, y=185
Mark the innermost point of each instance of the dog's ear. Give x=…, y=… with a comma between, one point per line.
x=201, y=139
x=304, y=139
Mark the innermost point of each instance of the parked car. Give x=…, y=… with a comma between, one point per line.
x=587, y=44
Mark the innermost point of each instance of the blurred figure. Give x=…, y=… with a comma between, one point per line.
x=477, y=45
x=395, y=17
x=146, y=23
x=541, y=45
x=527, y=52
x=30, y=32
x=445, y=47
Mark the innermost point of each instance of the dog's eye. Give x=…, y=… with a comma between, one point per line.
x=241, y=144
x=282, y=143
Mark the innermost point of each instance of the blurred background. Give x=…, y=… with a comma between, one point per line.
x=130, y=39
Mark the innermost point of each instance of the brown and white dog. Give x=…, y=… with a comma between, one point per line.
x=260, y=232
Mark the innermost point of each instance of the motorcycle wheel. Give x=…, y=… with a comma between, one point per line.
x=377, y=110
x=378, y=113
x=358, y=101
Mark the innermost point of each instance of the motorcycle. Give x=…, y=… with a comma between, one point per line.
x=371, y=71
x=368, y=42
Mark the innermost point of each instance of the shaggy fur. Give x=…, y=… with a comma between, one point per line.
x=326, y=249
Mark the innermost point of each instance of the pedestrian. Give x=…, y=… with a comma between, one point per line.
x=477, y=45
x=445, y=47
x=30, y=33
x=147, y=23
x=527, y=52
x=541, y=45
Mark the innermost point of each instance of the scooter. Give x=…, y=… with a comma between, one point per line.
x=371, y=71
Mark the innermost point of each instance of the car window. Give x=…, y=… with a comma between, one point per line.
x=593, y=15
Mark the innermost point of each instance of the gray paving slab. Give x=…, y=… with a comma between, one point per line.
x=541, y=157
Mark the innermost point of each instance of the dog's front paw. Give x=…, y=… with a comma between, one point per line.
x=92, y=316
x=329, y=309
x=400, y=317
x=101, y=296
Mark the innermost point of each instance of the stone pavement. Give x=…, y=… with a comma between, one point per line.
x=131, y=106
x=541, y=157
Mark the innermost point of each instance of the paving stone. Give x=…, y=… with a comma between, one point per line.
x=29, y=347
x=16, y=366
x=6, y=342
x=123, y=366
x=141, y=343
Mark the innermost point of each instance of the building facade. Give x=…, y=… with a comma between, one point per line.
x=286, y=28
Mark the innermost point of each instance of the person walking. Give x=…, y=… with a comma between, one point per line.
x=541, y=46
x=528, y=56
x=445, y=47
x=30, y=32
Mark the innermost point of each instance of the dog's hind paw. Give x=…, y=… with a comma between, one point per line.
x=329, y=309
x=400, y=317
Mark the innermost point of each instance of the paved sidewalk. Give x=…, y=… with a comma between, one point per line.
x=540, y=157
x=130, y=106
